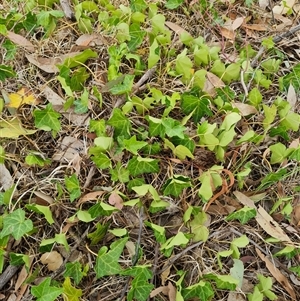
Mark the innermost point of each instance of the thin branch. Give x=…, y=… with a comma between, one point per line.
x=276, y=40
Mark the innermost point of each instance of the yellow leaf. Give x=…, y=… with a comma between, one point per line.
x=13, y=129
x=20, y=98
x=70, y=292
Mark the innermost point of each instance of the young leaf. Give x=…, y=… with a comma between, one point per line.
x=184, y=65
x=47, y=119
x=45, y=292
x=173, y=128
x=172, y=4
x=133, y=145
x=226, y=282
x=70, y=293
x=73, y=187
x=139, y=165
x=16, y=224
x=154, y=54
x=159, y=232
x=107, y=261
x=45, y=210
x=101, y=160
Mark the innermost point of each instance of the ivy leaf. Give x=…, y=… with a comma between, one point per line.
x=173, y=128
x=107, y=262
x=138, y=5
x=136, y=37
x=226, y=282
x=123, y=87
x=73, y=187
x=156, y=127
x=175, y=185
x=47, y=119
x=45, y=292
x=45, y=210
x=154, y=54
x=101, y=160
x=139, y=165
x=74, y=270
x=13, y=129
x=243, y=215
x=81, y=105
x=119, y=173
x=201, y=290
x=6, y=72
x=133, y=145
x=101, y=209
x=121, y=123
x=140, y=286
x=70, y=293
x=16, y=224
x=198, y=105
x=184, y=65
x=159, y=232
x=172, y=4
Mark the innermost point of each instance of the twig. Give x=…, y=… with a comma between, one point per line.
x=148, y=74
x=9, y=272
x=276, y=39
x=66, y=7
x=136, y=255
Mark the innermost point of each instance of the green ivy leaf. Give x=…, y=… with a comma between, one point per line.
x=101, y=209
x=136, y=36
x=16, y=225
x=156, y=127
x=133, y=145
x=120, y=123
x=243, y=215
x=47, y=119
x=75, y=271
x=184, y=65
x=180, y=239
x=73, y=187
x=175, y=185
x=172, y=4
x=292, y=78
x=201, y=290
x=81, y=105
x=226, y=282
x=140, y=286
x=71, y=293
x=35, y=159
x=279, y=152
x=107, y=261
x=154, y=54
x=6, y=72
x=255, y=97
x=173, y=128
x=45, y=210
x=159, y=232
x=45, y=292
x=198, y=105
x=124, y=87
x=101, y=160
x=59, y=239
x=98, y=234
x=138, y=165
x=119, y=173
x=138, y=5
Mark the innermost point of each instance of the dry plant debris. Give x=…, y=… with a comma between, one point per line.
x=149, y=150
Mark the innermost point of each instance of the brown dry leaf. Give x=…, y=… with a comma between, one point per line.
x=172, y=291
x=296, y=216
x=277, y=274
x=158, y=290
x=6, y=180
x=271, y=226
x=256, y=27
x=23, y=274
x=68, y=149
x=49, y=64
x=237, y=23
x=215, y=80
x=244, y=108
x=43, y=199
x=292, y=97
x=23, y=96
x=295, y=143
x=2, y=296
x=91, y=196
x=115, y=200
x=52, y=259
x=91, y=39
x=264, y=3
x=246, y=201
x=176, y=28
x=234, y=296
x=227, y=33
x=20, y=41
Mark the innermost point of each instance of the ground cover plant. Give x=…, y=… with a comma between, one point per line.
x=149, y=150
